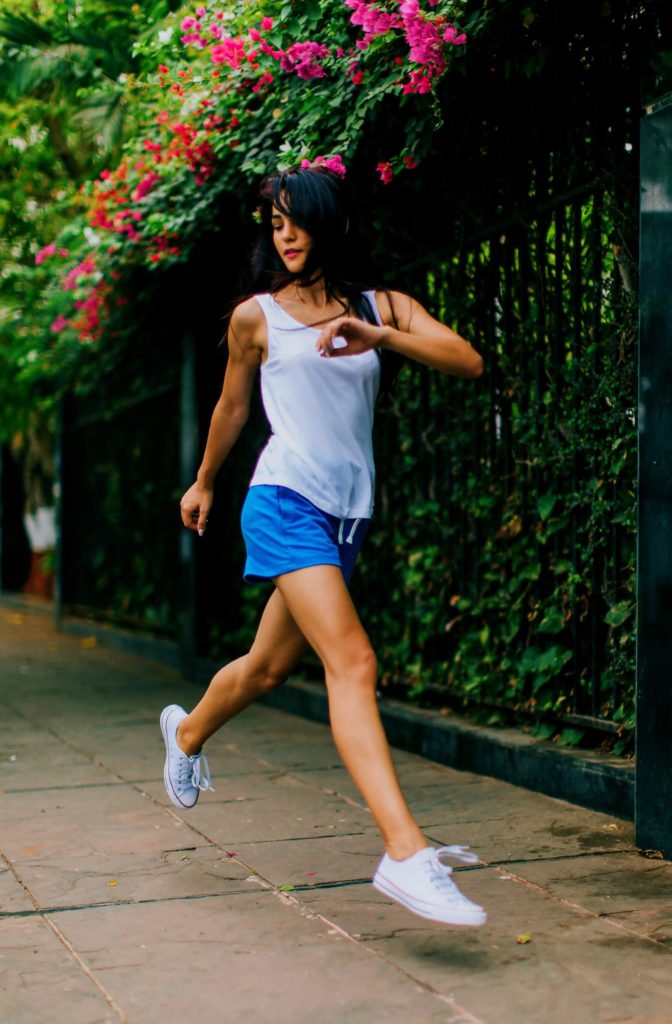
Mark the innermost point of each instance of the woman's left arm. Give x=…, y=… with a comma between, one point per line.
x=408, y=329
x=426, y=340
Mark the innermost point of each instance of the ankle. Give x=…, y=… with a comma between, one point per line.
x=403, y=849
x=185, y=739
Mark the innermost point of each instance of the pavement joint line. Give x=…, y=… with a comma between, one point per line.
x=53, y=927
x=73, y=907
x=464, y=1016
x=112, y=1003
x=578, y=908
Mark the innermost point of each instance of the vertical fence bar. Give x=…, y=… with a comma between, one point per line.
x=653, y=791
x=188, y=456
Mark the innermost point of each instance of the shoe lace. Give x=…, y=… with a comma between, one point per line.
x=201, y=777
x=439, y=873
x=193, y=770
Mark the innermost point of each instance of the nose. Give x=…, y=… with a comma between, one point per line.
x=288, y=231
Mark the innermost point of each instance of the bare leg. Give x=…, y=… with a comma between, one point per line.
x=321, y=607
x=278, y=646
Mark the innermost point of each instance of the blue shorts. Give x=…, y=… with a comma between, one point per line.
x=283, y=531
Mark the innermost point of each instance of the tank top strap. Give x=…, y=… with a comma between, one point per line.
x=371, y=296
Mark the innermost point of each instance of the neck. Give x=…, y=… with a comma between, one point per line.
x=313, y=292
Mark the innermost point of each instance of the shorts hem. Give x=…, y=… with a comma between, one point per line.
x=250, y=576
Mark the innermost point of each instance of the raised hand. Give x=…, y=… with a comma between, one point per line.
x=348, y=336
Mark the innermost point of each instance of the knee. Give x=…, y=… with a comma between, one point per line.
x=358, y=666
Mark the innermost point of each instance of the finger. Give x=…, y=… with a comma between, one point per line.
x=202, y=521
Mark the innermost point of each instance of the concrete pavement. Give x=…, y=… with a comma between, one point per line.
x=256, y=906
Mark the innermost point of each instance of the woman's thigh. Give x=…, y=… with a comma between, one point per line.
x=319, y=602
x=279, y=644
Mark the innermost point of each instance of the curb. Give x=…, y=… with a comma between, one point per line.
x=596, y=781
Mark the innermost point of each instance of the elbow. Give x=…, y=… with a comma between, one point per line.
x=476, y=369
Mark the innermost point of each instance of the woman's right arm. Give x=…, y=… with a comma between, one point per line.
x=231, y=411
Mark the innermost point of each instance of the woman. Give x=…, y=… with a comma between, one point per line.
x=319, y=342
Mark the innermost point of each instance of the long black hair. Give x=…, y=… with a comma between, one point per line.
x=318, y=201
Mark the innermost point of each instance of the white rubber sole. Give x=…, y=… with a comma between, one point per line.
x=172, y=795
x=462, y=917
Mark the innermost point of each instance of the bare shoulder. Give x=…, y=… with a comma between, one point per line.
x=396, y=308
x=247, y=316
x=248, y=324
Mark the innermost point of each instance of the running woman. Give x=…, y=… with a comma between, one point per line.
x=319, y=342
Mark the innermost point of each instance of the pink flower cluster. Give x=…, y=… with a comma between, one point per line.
x=423, y=37
x=231, y=52
x=304, y=59
x=333, y=163
x=59, y=324
x=451, y=36
x=373, y=20
x=49, y=250
x=71, y=279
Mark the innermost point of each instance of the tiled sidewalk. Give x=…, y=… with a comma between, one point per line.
x=256, y=906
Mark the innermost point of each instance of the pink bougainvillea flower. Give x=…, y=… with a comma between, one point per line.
x=146, y=185
x=451, y=36
x=304, y=59
x=263, y=80
x=59, y=324
x=49, y=250
x=384, y=168
x=333, y=163
x=255, y=35
x=230, y=51
x=266, y=24
x=418, y=81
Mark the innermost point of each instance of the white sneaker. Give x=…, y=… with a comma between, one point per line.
x=422, y=883
x=184, y=775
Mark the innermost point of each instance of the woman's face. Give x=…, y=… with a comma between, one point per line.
x=292, y=242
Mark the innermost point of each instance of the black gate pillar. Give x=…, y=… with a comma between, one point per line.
x=653, y=794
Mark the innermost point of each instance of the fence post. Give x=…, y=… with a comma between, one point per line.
x=653, y=792
x=188, y=456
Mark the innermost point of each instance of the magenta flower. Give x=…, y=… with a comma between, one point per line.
x=146, y=185
x=59, y=324
x=333, y=163
x=386, y=173
x=451, y=36
x=266, y=24
x=304, y=59
x=230, y=51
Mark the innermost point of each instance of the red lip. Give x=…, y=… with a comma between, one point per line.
x=292, y=252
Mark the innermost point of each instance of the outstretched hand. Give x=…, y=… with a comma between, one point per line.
x=349, y=336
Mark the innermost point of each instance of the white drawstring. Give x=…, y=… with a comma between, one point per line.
x=351, y=535
x=340, y=531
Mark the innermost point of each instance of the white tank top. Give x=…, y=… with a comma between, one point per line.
x=321, y=416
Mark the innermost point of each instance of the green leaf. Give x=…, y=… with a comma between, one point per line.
x=619, y=613
x=545, y=504
x=551, y=622
x=570, y=737
x=543, y=730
